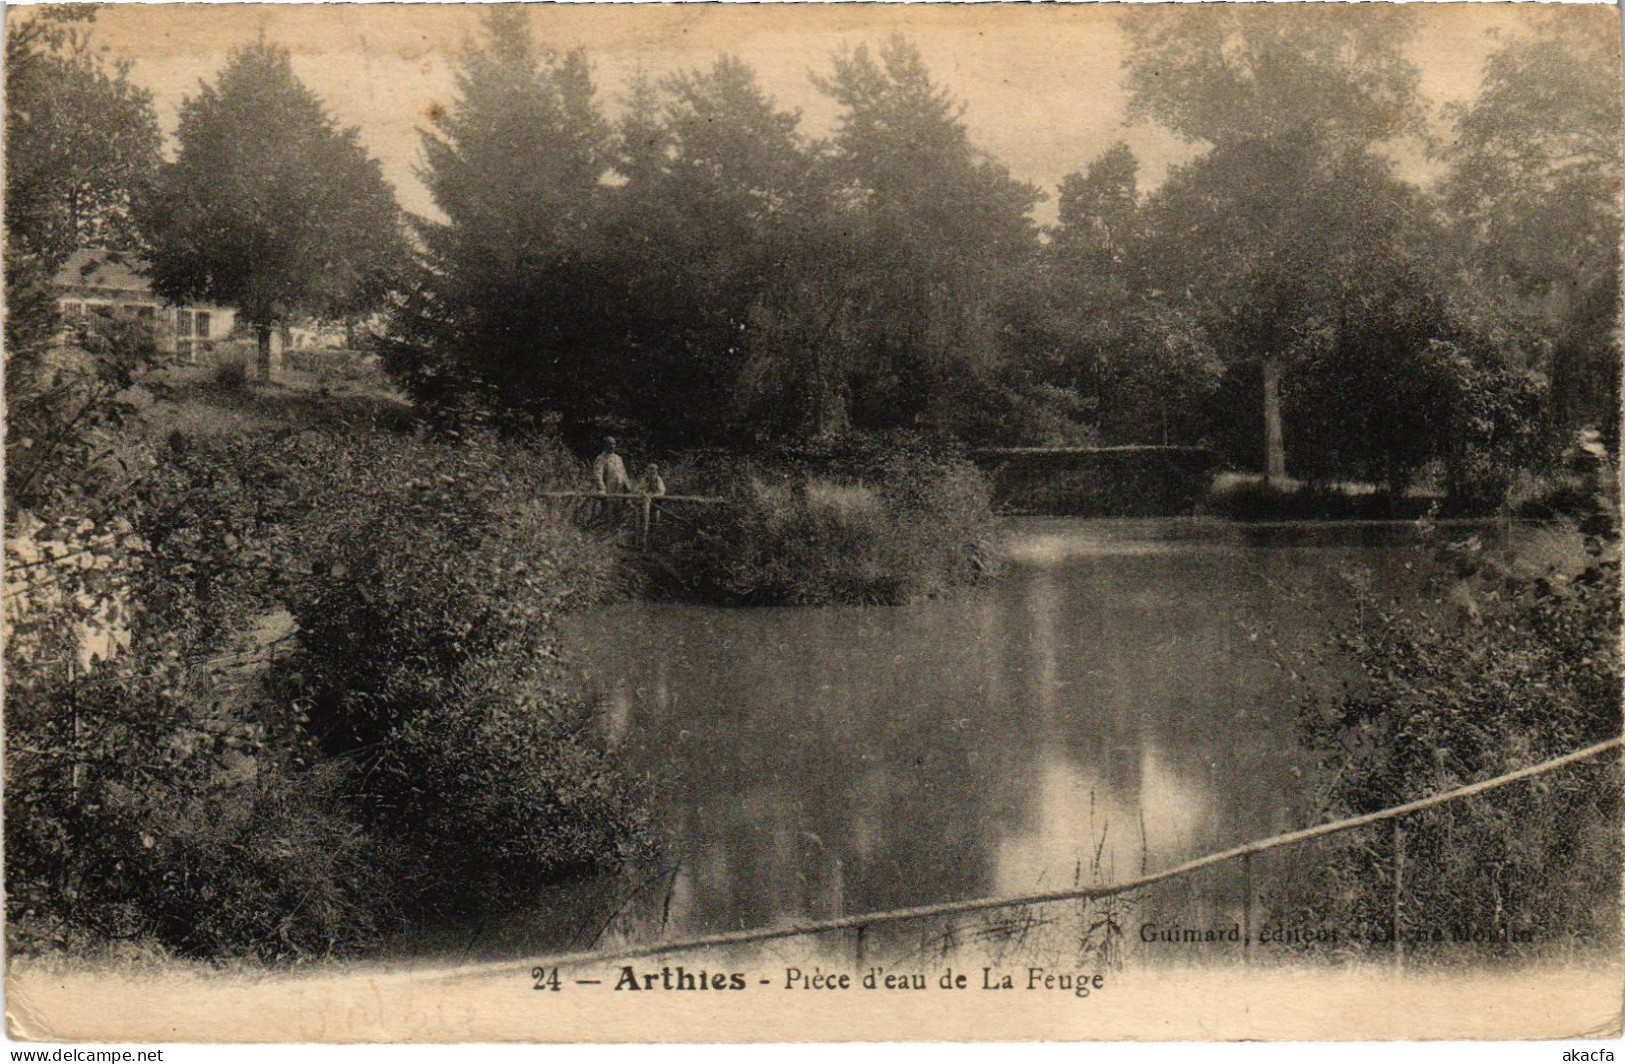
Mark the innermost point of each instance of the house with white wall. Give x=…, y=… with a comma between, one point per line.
x=96, y=288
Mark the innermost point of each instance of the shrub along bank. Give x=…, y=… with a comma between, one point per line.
x=415, y=749
x=341, y=703
x=859, y=520
x=1518, y=664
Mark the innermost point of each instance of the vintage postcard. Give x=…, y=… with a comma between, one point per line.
x=812, y=522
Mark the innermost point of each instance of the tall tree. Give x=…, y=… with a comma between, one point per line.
x=1292, y=102
x=515, y=304
x=901, y=146
x=1223, y=74
x=1096, y=210
x=1141, y=368
x=720, y=193
x=1534, y=193
x=941, y=229
x=81, y=140
x=269, y=205
x=1325, y=286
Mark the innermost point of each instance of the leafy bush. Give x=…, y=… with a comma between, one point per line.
x=854, y=521
x=428, y=656
x=139, y=805
x=1520, y=665
x=231, y=374
x=1497, y=428
x=66, y=412
x=420, y=742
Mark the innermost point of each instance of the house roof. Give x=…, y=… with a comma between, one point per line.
x=114, y=271
x=99, y=268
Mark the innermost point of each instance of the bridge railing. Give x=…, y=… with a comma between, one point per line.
x=861, y=924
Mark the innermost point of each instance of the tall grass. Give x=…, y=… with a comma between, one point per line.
x=910, y=525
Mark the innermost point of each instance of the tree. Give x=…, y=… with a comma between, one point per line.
x=269, y=205
x=1324, y=289
x=1534, y=196
x=81, y=140
x=1096, y=211
x=733, y=158
x=1264, y=236
x=81, y=144
x=721, y=198
x=940, y=230
x=1222, y=74
x=1143, y=367
x=903, y=151
x=515, y=305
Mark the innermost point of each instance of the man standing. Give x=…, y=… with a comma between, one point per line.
x=610, y=472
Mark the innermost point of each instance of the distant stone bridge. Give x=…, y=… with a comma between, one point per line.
x=1128, y=481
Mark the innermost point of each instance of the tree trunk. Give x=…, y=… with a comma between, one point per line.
x=265, y=351
x=1274, y=446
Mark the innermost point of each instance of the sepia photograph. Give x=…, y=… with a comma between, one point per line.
x=736, y=523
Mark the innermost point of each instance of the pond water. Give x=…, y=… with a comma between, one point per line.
x=1119, y=700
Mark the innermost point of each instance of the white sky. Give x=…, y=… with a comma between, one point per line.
x=1042, y=82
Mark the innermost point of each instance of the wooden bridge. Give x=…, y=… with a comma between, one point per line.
x=644, y=515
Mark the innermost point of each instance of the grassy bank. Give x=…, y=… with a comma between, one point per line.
x=860, y=520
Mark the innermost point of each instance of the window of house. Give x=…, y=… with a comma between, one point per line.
x=201, y=319
x=183, y=323
x=99, y=316
x=73, y=321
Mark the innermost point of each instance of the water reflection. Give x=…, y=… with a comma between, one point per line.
x=1114, y=703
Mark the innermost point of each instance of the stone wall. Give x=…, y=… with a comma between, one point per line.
x=1134, y=481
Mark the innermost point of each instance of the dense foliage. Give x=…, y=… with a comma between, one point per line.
x=272, y=692
x=179, y=793
x=864, y=520
x=81, y=139
x=145, y=801
x=1517, y=663
x=269, y=206
x=1534, y=197
x=702, y=272
x=81, y=147
x=506, y=312
x=688, y=266
x=428, y=658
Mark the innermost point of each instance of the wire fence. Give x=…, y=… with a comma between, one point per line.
x=862, y=925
